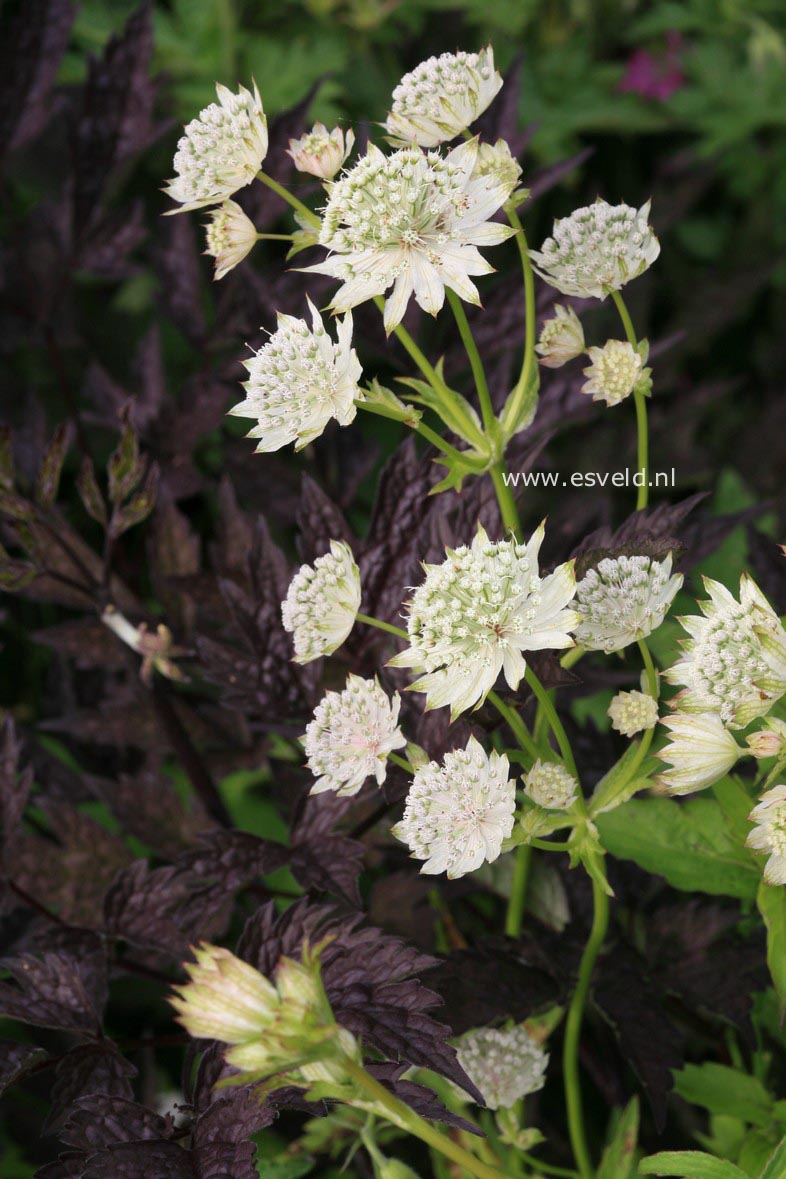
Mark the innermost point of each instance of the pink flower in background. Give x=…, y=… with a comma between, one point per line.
x=655, y=75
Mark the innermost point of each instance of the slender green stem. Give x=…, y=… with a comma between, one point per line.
x=652, y=689
x=436, y=440
x=380, y=625
x=575, y=1017
x=405, y=339
x=516, y=724
x=275, y=237
x=507, y=504
x=775, y=772
x=490, y=424
x=517, y=402
x=518, y=894
x=571, y=657
x=642, y=441
x=402, y=762
x=401, y=1115
x=548, y=1168
x=557, y=728
x=551, y=845
x=292, y=200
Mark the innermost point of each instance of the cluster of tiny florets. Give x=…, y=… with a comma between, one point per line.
x=351, y=735
x=633, y=712
x=505, y=1065
x=442, y=96
x=220, y=151
x=623, y=599
x=322, y=603
x=613, y=372
x=597, y=249
x=457, y=814
x=561, y=338
x=551, y=785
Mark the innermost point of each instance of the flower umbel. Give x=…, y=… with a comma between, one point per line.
x=597, y=249
x=441, y=97
x=230, y=237
x=476, y=613
x=299, y=380
x=769, y=834
x=321, y=152
x=458, y=813
x=506, y=1065
x=351, y=735
x=322, y=603
x=633, y=712
x=221, y=151
x=551, y=786
x=412, y=221
x=614, y=371
x=699, y=752
x=561, y=338
x=624, y=599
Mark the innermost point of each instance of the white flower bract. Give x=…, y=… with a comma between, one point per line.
x=321, y=152
x=597, y=249
x=699, y=753
x=221, y=151
x=769, y=834
x=551, y=785
x=623, y=599
x=505, y=1065
x=351, y=735
x=412, y=221
x=299, y=380
x=561, y=338
x=322, y=603
x=734, y=660
x=476, y=613
x=230, y=237
x=633, y=712
x=441, y=97
x=457, y=814
x=613, y=372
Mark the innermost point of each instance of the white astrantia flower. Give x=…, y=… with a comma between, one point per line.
x=769, y=834
x=561, y=338
x=633, y=712
x=299, y=380
x=597, y=249
x=457, y=814
x=613, y=372
x=221, y=151
x=476, y=613
x=230, y=237
x=321, y=152
x=441, y=97
x=734, y=661
x=322, y=603
x=504, y=1064
x=551, y=785
x=497, y=161
x=351, y=735
x=413, y=221
x=623, y=599
x=700, y=751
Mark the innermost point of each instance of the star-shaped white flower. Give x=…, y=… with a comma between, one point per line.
x=351, y=735
x=441, y=97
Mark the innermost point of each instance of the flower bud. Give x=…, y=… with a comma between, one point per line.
x=321, y=152
x=700, y=751
x=633, y=712
x=769, y=741
x=614, y=372
x=561, y=338
x=230, y=237
x=551, y=786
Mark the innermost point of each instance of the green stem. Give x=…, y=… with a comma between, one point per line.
x=571, y=657
x=401, y=1115
x=490, y=424
x=551, y=845
x=548, y=1168
x=436, y=440
x=275, y=237
x=517, y=402
x=507, y=504
x=642, y=441
x=516, y=724
x=557, y=728
x=652, y=689
x=402, y=762
x=518, y=894
x=380, y=625
x=292, y=200
x=570, y=1052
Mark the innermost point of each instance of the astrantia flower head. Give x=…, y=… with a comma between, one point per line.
x=561, y=338
x=505, y=1065
x=299, y=380
x=769, y=834
x=230, y=237
x=351, y=735
x=633, y=712
x=321, y=152
x=412, y=221
x=734, y=661
x=477, y=612
x=624, y=599
x=496, y=161
x=699, y=753
x=221, y=151
x=441, y=97
x=322, y=603
x=458, y=813
x=613, y=372
x=597, y=249
x=551, y=785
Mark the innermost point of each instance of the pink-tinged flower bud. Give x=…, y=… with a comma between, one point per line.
x=226, y=999
x=230, y=237
x=769, y=741
x=561, y=338
x=321, y=152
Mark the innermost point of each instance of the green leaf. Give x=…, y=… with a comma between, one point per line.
x=776, y=1164
x=771, y=902
x=687, y=842
x=619, y=1157
x=692, y=1164
x=724, y=1090
x=617, y=786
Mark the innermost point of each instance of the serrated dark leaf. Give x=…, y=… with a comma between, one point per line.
x=90, y=493
x=321, y=858
x=86, y=1071
x=57, y=988
x=102, y=1120
x=177, y=265
x=319, y=521
x=125, y=467
x=140, y=1160
x=15, y=784
x=52, y=465
x=16, y=1060
x=138, y=507
x=31, y=47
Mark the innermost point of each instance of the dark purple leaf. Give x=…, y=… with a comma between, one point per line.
x=31, y=47
x=88, y=1070
x=63, y=988
x=321, y=858
x=16, y=1060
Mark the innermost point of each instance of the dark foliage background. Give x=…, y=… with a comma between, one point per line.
x=138, y=817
